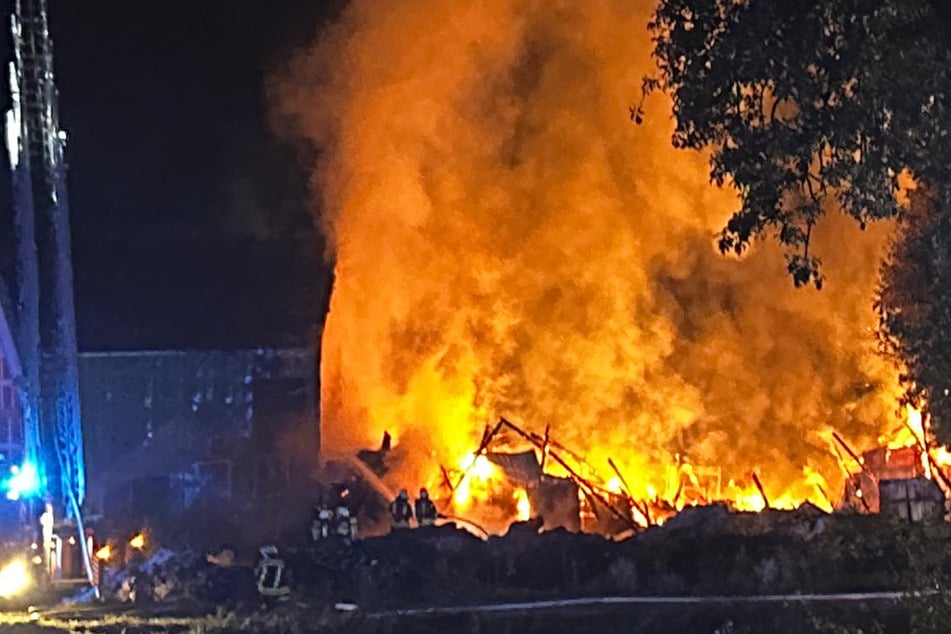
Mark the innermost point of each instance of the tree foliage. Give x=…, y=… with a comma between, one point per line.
x=806, y=105
x=914, y=306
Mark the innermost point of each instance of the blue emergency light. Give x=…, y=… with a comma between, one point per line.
x=23, y=482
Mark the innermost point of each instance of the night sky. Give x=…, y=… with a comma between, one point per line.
x=190, y=220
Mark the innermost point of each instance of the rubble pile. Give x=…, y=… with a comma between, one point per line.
x=702, y=551
x=170, y=576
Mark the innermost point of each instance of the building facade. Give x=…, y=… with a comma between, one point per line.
x=170, y=431
x=11, y=419
x=167, y=430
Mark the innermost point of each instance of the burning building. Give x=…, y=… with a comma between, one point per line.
x=905, y=477
x=507, y=243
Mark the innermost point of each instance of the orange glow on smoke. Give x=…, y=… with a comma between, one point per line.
x=507, y=243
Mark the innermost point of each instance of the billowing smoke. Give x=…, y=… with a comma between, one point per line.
x=507, y=242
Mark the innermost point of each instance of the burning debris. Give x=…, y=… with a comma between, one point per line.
x=513, y=475
x=538, y=497
x=904, y=479
x=543, y=497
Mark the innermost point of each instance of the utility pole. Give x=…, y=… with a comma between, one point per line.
x=45, y=330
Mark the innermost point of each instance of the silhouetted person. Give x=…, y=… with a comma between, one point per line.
x=425, y=509
x=401, y=511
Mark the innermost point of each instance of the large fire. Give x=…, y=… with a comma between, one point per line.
x=507, y=243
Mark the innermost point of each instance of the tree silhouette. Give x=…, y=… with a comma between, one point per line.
x=914, y=306
x=807, y=105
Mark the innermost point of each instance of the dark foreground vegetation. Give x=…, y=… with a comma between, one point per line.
x=703, y=552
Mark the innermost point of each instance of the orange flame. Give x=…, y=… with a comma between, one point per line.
x=104, y=553
x=507, y=243
x=477, y=472
x=138, y=542
x=523, y=506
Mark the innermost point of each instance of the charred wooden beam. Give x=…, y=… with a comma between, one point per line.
x=643, y=510
x=446, y=480
x=487, y=436
x=620, y=476
x=825, y=495
x=592, y=491
x=560, y=447
x=861, y=464
x=545, y=447
x=582, y=483
x=923, y=444
x=852, y=454
x=759, y=487
x=840, y=459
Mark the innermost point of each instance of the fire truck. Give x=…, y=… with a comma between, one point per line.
x=42, y=472
x=37, y=551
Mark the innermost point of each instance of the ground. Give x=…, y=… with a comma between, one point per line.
x=702, y=619
x=709, y=572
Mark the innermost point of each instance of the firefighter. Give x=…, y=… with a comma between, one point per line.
x=425, y=509
x=401, y=511
x=346, y=524
x=271, y=582
x=320, y=529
